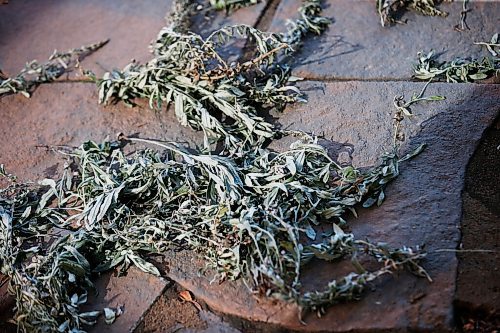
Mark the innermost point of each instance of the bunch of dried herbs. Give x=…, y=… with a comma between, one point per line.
x=459, y=69
x=35, y=73
x=210, y=94
x=390, y=10
x=249, y=216
x=251, y=212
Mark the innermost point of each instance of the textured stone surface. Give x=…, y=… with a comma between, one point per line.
x=33, y=29
x=423, y=205
x=478, y=283
x=133, y=292
x=357, y=46
x=67, y=115
x=172, y=314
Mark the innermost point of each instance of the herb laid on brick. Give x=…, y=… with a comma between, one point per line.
x=390, y=10
x=252, y=213
x=230, y=5
x=459, y=69
x=463, y=26
x=35, y=73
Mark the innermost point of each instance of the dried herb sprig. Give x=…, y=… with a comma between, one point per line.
x=35, y=73
x=493, y=46
x=351, y=286
x=403, y=109
x=390, y=9
x=310, y=21
x=48, y=282
x=191, y=72
x=462, y=26
x=230, y=5
x=457, y=70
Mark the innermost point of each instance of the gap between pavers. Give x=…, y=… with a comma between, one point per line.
x=133, y=292
x=423, y=206
x=356, y=46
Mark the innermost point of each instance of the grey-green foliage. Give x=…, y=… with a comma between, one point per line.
x=188, y=71
x=389, y=9
x=35, y=73
x=459, y=69
x=493, y=46
x=252, y=213
x=229, y=5
x=310, y=21
x=248, y=216
x=210, y=94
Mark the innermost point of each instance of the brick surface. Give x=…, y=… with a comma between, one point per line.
x=357, y=46
x=68, y=114
x=423, y=206
x=33, y=29
x=133, y=292
x=478, y=283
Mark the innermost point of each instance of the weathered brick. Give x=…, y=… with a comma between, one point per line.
x=68, y=114
x=133, y=292
x=33, y=29
x=478, y=282
x=356, y=46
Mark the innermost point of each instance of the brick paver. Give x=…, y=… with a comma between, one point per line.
x=356, y=46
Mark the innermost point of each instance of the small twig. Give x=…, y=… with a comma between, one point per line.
x=465, y=251
x=76, y=79
x=231, y=72
x=463, y=18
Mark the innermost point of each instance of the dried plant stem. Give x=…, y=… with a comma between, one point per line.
x=35, y=74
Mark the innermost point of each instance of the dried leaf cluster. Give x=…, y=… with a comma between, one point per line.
x=35, y=73
x=230, y=5
x=459, y=69
x=250, y=212
x=222, y=99
x=390, y=10
x=249, y=216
